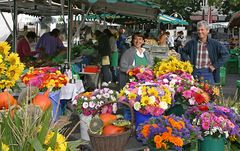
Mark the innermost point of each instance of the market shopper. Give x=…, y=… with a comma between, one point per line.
x=121, y=41
x=50, y=44
x=133, y=57
x=23, y=46
x=113, y=55
x=205, y=54
x=170, y=40
x=179, y=41
x=104, y=51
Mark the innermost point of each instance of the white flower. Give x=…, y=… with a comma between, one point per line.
x=191, y=101
x=165, y=80
x=152, y=99
x=140, y=90
x=93, y=98
x=85, y=99
x=114, y=107
x=113, y=98
x=163, y=105
x=137, y=106
x=127, y=92
x=106, y=95
x=104, y=84
x=101, y=102
x=110, y=91
x=91, y=104
x=226, y=134
x=85, y=105
x=98, y=96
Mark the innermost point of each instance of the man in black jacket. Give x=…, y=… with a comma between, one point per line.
x=205, y=54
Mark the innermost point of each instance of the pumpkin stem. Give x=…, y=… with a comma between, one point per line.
x=46, y=93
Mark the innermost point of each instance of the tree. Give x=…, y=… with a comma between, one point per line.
x=183, y=7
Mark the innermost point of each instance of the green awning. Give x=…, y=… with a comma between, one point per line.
x=166, y=19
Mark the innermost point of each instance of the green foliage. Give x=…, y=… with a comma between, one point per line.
x=183, y=7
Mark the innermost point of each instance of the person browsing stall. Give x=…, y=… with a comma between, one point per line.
x=205, y=54
x=23, y=46
x=50, y=43
x=135, y=56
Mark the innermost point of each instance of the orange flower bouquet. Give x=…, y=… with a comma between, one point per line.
x=167, y=133
x=45, y=78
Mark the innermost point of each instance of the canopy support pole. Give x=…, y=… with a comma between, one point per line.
x=14, y=47
x=64, y=23
x=69, y=31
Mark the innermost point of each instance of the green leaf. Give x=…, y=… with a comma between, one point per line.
x=53, y=141
x=72, y=145
x=35, y=143
x=45, y=125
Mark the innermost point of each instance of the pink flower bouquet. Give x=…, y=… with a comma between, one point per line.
x=141, y=74
x=215, y=120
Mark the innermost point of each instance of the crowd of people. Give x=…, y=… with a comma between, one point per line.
x=117, y=57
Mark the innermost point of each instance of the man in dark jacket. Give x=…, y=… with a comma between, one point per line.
x=205, y=54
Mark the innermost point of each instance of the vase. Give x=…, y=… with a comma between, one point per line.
x=85, y=121
x=176, y=110
x=211, y=143
x=141, y=118
x=54, y=96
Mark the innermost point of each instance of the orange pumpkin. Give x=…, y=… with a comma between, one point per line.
x=107, y=118
x=6, y=100
x=42, y=100
x=111, y=130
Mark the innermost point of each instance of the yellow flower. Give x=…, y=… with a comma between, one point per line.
x=2, y=68
x=216, y=91
x=1, y=58
x=13, y=58
x=61, y=144
x=4, y=48
x=144, y=100
x=132, y=96
x=5, y=147
x=152, y=91
x=49, y=149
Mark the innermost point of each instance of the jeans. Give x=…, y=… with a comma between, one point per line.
x=205, y=73
x=107, y=74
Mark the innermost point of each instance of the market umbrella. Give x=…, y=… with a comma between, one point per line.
x=166, y=19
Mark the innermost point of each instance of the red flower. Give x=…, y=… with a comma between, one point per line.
x=199, y=98
x=203, y=108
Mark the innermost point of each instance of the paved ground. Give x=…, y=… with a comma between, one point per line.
x=230, y=87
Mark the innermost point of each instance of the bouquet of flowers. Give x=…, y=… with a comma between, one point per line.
x=88, y=102
x=141, y=74
x=45, y=78
x=150, y=98
x=215, y=120
x=167, y=132
x=172, y=64
x=10, y=66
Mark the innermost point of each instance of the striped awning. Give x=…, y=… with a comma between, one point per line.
x=166, y=19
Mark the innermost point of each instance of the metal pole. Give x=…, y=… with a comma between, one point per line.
x=69, y=31
x=14, y=47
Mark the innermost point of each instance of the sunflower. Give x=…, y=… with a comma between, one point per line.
x=4, y=49
x=10, y=66
x=13, y=59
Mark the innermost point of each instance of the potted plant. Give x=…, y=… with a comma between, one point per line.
x=87, y=103
x=217, y=124
x=167, y=133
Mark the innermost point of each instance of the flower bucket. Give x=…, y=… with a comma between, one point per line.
x=56, y=106
x=85, y=120
x=211, y=143
x=141, y=118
